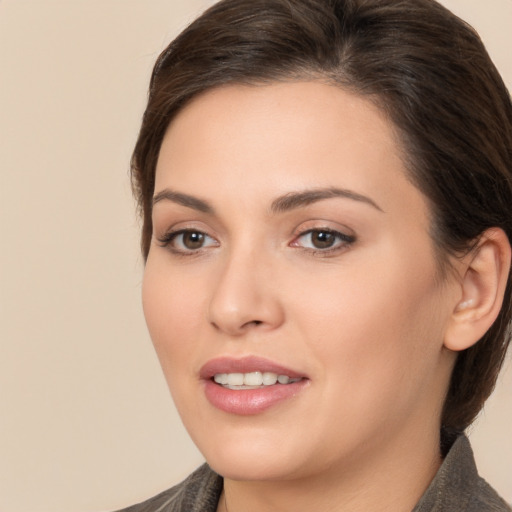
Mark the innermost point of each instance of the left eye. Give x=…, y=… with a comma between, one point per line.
x=191, y=240
x=322, y=239
x=188, y=240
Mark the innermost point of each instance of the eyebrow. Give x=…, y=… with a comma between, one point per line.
x=299, y=199
x=282, y=204
x=184, y=200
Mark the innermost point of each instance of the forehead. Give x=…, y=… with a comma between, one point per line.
x=315, y=109
x=280, y=137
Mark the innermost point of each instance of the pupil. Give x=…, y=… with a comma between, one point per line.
x=323, y=239
x=193, y=240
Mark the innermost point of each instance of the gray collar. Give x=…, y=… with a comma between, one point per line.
x=457, y=487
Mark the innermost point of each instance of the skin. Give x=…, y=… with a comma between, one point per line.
x=365, y=321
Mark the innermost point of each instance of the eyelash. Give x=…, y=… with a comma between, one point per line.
x=343, y=241
x=168, y=238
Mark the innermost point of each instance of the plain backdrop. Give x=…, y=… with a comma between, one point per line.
x=86, y=421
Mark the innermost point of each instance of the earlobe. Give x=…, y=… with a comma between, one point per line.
x=484, y=278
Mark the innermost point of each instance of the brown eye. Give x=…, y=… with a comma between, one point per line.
x=322, y=239
x=192, y=240
x=187, y=241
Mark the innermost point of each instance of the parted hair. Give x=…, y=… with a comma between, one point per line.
x=423, y=66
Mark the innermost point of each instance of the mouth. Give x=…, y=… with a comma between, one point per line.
x=252, y=380
x=249, y=385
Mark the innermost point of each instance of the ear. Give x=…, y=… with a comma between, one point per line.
x=484, y=276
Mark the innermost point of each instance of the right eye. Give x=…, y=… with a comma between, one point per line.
x=187, y=241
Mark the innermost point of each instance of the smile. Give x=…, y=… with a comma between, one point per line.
x=251, y=380
x=250, y=385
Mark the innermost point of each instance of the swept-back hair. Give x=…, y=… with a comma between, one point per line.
x=423, y=66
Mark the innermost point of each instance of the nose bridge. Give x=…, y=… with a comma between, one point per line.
x=244, y=296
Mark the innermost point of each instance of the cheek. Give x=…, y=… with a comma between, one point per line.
x=375, y=330
x=171, y=309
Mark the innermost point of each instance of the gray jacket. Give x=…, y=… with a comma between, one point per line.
x=455, y=488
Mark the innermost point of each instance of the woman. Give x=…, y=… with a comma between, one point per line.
x=326, y=191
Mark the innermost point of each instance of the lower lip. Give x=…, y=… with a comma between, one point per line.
x=245, y=402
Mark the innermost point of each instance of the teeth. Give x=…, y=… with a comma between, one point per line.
x=235, y=379
x=251, y=379
x=269, y=379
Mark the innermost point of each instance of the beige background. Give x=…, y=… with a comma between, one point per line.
x=86, y=423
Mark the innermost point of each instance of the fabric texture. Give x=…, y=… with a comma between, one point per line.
x=200, y=492
x=455, y=488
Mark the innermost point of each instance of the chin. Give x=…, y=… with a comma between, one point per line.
x=247, y=454
x=244, y=467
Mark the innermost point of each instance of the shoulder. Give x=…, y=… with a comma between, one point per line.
x=486, y=499
x=457, y=487
x=199, y=492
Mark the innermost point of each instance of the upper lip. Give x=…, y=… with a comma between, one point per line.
x=245, y=365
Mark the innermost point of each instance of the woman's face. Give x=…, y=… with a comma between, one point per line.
x=288, y=241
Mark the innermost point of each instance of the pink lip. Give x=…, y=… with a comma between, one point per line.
x=248, y=401
x=245, y=365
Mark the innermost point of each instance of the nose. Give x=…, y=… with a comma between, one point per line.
x=245, y=297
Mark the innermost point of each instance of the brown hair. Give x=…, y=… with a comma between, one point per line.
x=426, y=68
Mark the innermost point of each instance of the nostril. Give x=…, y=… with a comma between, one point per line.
x=238, y=329
x=253, y=323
